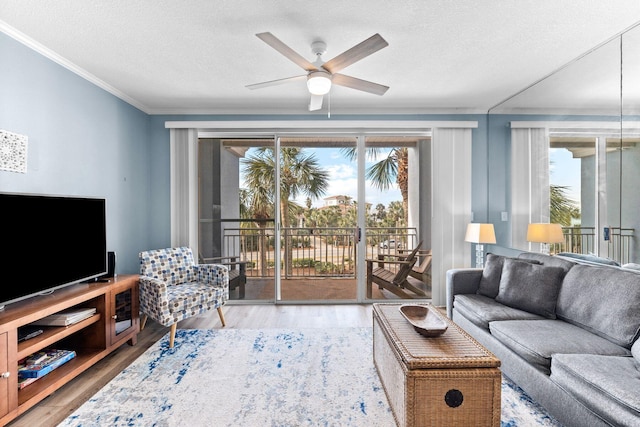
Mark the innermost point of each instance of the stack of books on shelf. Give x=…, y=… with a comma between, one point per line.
x=66, y=317
x=40, y=364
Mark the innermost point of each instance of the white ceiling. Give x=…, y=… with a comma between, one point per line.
x=168, y=56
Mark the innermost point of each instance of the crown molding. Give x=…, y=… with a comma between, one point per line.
x=55, y=57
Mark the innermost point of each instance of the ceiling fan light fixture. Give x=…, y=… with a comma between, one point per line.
x=319, y=82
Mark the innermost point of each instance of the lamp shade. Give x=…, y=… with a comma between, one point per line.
x=545, y=233
x=480, y=233
x=319, y=82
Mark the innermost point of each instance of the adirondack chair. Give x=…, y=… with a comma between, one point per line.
x=421, y=270
x=395, y=282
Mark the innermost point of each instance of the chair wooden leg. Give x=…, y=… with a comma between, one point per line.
x=143, y=321
x=172, y=335
x=221, y=316
x=369, y=284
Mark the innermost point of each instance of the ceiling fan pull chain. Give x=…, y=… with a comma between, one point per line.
x=329, y=106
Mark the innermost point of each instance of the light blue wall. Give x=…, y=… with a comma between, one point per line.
x=82, y=141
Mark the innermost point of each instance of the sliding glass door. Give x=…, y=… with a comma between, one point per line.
x=237, y=215
x=397, y=203
x=587, y=183
x=318, y=216
x=296, y=217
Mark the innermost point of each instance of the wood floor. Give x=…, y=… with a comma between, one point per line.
x=62, y=403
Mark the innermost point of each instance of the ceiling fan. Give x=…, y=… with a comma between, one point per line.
x=321, y=75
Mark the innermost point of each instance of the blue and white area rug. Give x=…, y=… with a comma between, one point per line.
x=265, y=377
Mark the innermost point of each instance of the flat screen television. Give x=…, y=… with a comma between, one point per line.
x=49, y=242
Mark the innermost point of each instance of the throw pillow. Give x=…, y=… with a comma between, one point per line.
x=530, y=287
x=635, y=352
x=603, y=300
x=491, y=274
x=490, y=280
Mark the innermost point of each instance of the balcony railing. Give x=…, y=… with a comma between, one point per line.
x=312, y=252
x=620, y=247
x=331, y=251
x=583, y=240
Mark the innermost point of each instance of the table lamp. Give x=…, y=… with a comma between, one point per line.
x=480, y=234
x=545, y=234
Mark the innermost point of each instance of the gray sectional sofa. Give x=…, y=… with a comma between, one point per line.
x=565, y=331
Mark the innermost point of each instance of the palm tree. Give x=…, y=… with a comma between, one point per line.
x=392, y=168
x=381, y=213
x=257, y=204
x=396, y=215
x=562, y=208
x=300, y=174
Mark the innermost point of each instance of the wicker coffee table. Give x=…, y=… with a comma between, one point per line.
x=450, y=380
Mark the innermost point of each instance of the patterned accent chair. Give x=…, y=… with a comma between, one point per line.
x=173, y=287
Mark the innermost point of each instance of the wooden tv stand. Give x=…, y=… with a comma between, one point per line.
x=116, y=321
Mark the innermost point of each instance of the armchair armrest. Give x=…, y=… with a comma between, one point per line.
x=388, y=261
x=420, y=252
x=213, y=274
x=153, y=294
x=461, y=281
x=398, y=255
x=381, y=263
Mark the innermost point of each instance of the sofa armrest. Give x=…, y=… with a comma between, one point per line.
x=461, y=281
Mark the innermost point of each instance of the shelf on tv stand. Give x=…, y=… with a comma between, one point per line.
x=51, y=335
x=92, y=339
x=46, y=385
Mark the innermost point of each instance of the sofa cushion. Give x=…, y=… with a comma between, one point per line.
x=491, y=274
x=481, y=310
x=635, y=352
x=604, y=300
x=607, y=384
x=537, y=341
x=530, y=287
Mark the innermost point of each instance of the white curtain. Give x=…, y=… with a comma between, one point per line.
x=530, y=198
x=451, y=182
x=184, y=188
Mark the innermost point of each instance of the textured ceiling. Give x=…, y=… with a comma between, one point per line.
x=167, y=56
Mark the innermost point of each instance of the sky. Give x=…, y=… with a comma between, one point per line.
x=343, y=179
x=565, y=170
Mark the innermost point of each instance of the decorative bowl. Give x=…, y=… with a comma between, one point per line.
x=423, y=319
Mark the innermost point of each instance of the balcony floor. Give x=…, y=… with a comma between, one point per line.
x=312, y=289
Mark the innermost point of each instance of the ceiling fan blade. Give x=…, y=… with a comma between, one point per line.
x=277, y=82
x=356, y=53
x=278, y=45
x=363, y=85
x=316, y=102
